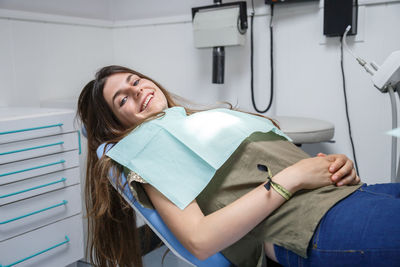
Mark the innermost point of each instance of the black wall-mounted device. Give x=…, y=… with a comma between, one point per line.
x=270, y=2
x=338, y=14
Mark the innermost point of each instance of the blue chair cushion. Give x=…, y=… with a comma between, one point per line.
x=154, y=221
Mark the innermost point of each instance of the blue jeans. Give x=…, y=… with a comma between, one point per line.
x=360, y=230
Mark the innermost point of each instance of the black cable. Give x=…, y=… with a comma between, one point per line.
x=345, y=103
x=252, y=62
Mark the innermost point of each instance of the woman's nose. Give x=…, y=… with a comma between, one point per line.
x=138, y=90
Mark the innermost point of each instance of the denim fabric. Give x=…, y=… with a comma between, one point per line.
x=361, y=230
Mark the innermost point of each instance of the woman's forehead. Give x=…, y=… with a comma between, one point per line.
x=119, y=80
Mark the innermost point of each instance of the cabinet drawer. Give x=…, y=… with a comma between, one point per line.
x=12, y=172
x=16, y=125
x=38, y=185
x=48, y=245
x=25, y=215
x=37, y=147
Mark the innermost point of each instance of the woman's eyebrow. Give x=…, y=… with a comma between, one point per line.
x=128, y=79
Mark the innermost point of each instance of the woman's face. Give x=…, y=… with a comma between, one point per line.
x=132, y=98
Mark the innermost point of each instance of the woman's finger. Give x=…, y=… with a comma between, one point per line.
x=357, y=180
x=349, y=179
x=339, y=161
x=344, y=171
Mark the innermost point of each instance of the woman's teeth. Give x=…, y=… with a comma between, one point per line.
x=146, y=102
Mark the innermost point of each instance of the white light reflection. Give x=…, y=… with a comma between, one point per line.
x=205, y=126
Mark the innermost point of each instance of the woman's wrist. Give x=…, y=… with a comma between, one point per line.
x=287, y=181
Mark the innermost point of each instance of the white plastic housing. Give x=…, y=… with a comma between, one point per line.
x=217, y=27
x=388, y=73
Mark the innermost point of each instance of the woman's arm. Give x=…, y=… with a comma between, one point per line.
x=203, y=235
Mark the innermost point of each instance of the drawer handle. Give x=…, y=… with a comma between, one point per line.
x=31, y=129
x=33, y=188
x=79, y=140
x=33, y=168
x=30, y=148
x=36, y=254
x=64, y=202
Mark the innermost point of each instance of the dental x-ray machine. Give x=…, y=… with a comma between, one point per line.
x=217, y=26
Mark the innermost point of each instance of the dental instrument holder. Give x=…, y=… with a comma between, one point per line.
x=386, y=78
x=220, y=33
x=388, y=74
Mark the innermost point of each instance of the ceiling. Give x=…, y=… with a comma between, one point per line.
x=111, y=10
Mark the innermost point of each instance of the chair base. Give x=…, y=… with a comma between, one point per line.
x=149, y=240
x=271, y=263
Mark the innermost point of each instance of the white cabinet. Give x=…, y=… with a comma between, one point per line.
x=40, y=192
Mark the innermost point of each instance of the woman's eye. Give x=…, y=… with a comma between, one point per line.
x=136, y=82
x=123, y=101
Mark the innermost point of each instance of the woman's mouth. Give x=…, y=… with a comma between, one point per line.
x=146, y=102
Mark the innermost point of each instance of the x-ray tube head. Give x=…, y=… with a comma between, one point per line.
x=218, y=65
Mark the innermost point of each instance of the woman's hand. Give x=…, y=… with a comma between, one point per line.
x=342, y=169
x=307, y=173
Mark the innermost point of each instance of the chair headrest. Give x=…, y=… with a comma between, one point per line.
x=100, y=150
x=83, y=130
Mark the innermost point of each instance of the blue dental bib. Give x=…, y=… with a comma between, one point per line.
x=179, y=154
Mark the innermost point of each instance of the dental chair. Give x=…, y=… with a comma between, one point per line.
x=154, y=221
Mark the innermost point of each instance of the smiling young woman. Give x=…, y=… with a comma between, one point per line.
x=329, y=215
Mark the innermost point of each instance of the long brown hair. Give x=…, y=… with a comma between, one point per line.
x=112, y=233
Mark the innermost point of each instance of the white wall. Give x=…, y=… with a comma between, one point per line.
x=307, y=73
x=95, y=9
x=44, y=60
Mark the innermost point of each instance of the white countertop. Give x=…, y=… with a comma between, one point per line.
x=12, y=113
x=304, y=130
